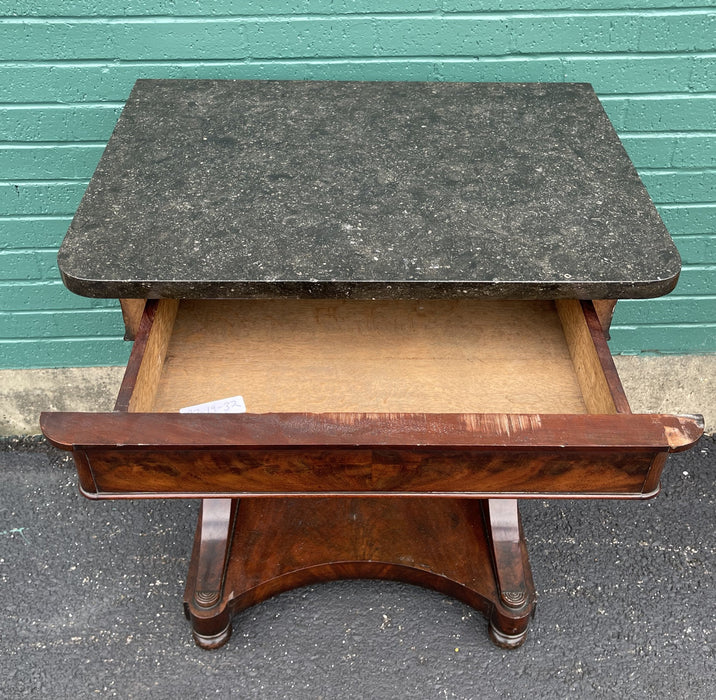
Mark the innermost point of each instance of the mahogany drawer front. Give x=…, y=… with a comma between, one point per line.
x=487, y=398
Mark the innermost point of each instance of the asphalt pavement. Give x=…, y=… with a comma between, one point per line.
x=92, y=605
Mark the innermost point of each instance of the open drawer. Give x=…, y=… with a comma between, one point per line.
x=488, y=398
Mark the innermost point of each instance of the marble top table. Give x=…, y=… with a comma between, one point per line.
x=228, y=189
x=231, y=189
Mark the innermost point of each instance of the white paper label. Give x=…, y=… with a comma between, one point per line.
x=234, y=404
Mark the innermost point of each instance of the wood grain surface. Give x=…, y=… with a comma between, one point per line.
x=363, y=356
x=180, y=455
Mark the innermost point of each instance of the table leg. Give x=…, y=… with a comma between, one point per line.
x=514, y=584
x=466, y=548
x=204, y=605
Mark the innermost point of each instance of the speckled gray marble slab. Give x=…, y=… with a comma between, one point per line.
x=366, y=189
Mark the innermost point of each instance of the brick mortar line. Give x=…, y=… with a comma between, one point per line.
x=324, y=16
x=444, y=58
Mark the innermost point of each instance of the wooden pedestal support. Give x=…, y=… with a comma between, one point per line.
x=470, y=549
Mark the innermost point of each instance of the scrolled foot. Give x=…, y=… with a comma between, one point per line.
x=207, y=599
x=514, y=599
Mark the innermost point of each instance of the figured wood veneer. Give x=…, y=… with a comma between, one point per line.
x=468, y=356
x=180, y=455
x=280, y=544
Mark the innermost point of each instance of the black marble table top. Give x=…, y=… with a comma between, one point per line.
x=366, y=190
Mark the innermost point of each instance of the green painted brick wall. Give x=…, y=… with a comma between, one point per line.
x=66, y=67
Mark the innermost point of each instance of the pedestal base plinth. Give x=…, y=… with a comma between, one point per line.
x=470, y=549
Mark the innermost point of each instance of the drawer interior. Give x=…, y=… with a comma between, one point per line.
x=407, y=356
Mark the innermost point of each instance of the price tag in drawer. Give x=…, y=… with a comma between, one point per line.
x=234, y=404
